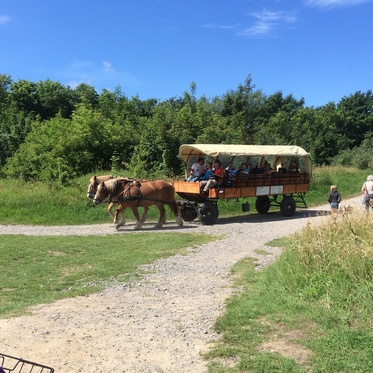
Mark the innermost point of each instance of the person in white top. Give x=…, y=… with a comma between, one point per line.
x=197, y=170
x=367, y=189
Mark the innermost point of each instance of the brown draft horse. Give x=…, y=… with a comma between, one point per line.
x=134, y=194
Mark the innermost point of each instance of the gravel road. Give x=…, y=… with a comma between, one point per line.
x=161, y=323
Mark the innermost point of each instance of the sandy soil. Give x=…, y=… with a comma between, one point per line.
x=163, y=322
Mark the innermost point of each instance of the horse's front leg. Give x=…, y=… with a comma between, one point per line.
x=122, y=220
x=144, y=215
x=137, y=217
x=162, y=215
x=118, y=211
x=109, y=208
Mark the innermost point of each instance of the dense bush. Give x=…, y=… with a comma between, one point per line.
x=52, y=132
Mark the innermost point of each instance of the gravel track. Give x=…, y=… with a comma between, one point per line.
x=161, y=323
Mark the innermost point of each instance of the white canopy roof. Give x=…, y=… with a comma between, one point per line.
x=217, y=150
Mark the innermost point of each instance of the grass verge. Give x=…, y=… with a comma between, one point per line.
x=311, y=311
x=35, y=270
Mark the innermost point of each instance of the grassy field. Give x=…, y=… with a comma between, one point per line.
x=317, y=298
x=35, y=270
x=52, y=204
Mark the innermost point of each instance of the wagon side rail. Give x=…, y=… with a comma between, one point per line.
x=10, y=363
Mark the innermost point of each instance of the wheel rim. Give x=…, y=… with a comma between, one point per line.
x=209, y=213
x=188, y=213
x=288, y=206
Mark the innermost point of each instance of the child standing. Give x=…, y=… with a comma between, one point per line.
x=334, y=199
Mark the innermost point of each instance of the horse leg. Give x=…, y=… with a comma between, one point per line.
x=137, y=217
x=118, y=211
x=122, y=220
x=176, y=210
x=109, y=208
x=144, y=215
x=162, y=215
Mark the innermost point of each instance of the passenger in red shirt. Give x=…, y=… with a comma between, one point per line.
x=216, y=178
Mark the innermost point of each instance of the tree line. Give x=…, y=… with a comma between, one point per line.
x=49, y=131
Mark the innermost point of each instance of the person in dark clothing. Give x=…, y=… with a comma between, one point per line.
x=254, y=169
x=334, y=199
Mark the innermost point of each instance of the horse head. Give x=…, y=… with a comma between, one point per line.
x=92, y=187
x=101, y=193
x=94, y=181
x=110, y=189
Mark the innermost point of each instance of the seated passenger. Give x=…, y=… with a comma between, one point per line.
x=243, y=170
x=208, y=172
x=266, y=168
x=230, y=174
x=293, y=167
x=197, y=170
x=216, y=179
x=254, y=169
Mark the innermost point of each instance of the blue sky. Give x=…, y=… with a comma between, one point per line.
x=320, y=50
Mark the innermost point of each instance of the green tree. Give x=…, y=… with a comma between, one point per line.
x=86, y=95
x=356, y=112
x=53, y=98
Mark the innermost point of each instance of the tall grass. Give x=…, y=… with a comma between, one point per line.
x=322, y=288
x=348, y=179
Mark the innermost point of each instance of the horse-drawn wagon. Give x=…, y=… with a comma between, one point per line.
x=276, y=186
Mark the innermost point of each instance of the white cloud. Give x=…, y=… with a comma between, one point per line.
x=267, y=21
x=108, y=68
x=99, y=75
x=336, y=3
x=4, y=19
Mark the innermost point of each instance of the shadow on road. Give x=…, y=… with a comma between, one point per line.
x=272, y=216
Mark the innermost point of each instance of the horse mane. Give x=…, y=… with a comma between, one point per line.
x=100, y=178
x=112, y=185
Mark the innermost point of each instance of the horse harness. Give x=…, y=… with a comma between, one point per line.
x=126, y=195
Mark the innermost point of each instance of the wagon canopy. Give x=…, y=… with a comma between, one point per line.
x=218, y=150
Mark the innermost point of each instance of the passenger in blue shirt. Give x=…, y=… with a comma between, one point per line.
x=244, y=169
x=230, y=174
x=208, y=172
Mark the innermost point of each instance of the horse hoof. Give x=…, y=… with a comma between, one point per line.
x=179, y=221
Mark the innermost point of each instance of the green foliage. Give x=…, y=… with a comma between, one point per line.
x=144, y=136
x=360, y=157
x=357, y=117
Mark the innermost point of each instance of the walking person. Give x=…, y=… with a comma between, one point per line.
x=367, y=189
x=334, y=199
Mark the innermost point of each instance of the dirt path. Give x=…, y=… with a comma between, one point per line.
x=161, y=323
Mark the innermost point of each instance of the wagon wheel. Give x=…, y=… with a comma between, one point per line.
x=188, y=213
x=262, y=204
x=288, y=206
x=209, y=213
